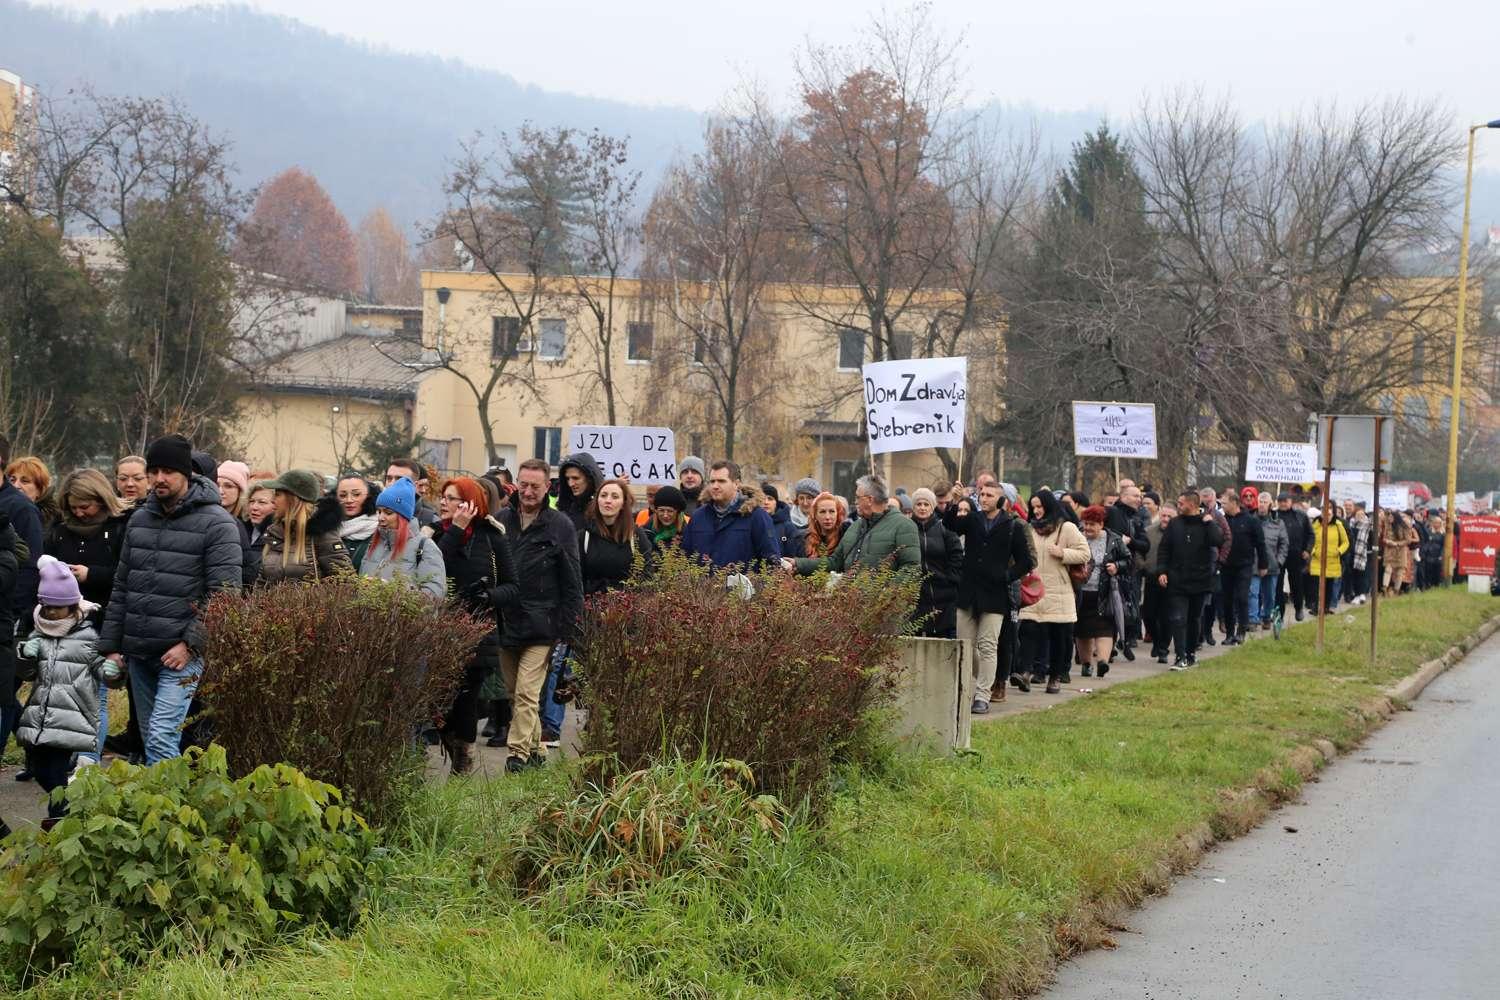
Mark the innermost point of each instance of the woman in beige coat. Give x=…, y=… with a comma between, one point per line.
x=1047, y=626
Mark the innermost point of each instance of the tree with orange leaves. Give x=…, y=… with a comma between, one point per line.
x=304, y=238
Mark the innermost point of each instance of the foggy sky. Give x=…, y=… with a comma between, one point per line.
x=1086, y=54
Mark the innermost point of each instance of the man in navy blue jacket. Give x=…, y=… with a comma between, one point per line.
x=27, y=521
x=730, y=530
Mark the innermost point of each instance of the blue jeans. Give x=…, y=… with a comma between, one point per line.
x=98, y=753
x=551, y=711
x=1255, y=602
x=163, y=697
x=1266, y=589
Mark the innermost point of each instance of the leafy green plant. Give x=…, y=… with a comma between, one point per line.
x=676, y=820
x=179, y=857
x=677, y=664
x=334, y=678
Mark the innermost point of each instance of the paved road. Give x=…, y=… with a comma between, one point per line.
x=1387, y=889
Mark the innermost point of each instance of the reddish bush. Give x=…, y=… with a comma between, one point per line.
x=334, y=678
x=678, y=665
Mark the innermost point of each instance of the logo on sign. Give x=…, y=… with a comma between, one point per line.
x=1112, y=421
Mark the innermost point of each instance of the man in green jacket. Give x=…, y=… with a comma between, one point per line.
x=878, y=537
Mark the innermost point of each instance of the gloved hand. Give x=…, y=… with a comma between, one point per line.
x=31, y=649
x=477, y=594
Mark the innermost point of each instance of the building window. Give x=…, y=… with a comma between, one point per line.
x=505, y=339
x=546, y=444
x=695, y=442
x=851, y=350
x=554, y=340
x=411, y=326
x=638, y=337
x=1418, y=358
x=844, y=475
x=900, y=346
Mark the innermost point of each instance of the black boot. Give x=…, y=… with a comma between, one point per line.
x=1103, y=668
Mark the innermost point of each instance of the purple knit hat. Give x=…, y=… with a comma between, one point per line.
x=58, y=587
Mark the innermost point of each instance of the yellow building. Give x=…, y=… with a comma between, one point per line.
x=800, y=381
x=17, y=114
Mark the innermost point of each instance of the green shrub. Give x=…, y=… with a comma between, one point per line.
x=179, y=857
x=680, y=820
x=334, y=679
x=677, y=665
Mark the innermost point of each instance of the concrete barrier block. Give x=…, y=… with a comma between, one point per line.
x=932, y=704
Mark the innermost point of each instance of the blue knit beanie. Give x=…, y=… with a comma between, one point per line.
x=400, y=496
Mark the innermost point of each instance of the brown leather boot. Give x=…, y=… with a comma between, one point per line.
x=460, y=754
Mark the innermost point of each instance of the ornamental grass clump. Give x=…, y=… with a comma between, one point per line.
x=334, y=678
x=675, y=826
x=679, y=665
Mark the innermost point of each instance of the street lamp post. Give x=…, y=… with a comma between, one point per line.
x=1458, y=358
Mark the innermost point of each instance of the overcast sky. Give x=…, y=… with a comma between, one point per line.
x=1272, y=57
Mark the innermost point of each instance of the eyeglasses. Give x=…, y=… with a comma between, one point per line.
x=451, y=498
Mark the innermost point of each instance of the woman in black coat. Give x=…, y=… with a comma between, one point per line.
x=88, y=534
x=942, y=563
x=609, y=539
x=481, y=578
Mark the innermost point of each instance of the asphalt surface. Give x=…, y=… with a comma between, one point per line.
x=1387, y=889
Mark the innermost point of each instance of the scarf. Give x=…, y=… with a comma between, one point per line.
x=58, y=628
x=357, y=528
x=87, y=528
x=799, y=519
x=468, y=532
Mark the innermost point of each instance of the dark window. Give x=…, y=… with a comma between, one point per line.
x=1418, y=357
x=506, y=337
x=695, y=442
x=554, y=340
x=851, y=349
x=546, y=444
x=900, y=346
x=411, y=326
x=638, y=337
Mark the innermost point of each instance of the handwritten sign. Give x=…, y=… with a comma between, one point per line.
x=1281, y=462
x=1119, y=430
x=1394, y=497
x=915, y=404
x=648, y=455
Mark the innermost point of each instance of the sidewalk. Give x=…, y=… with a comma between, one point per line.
x=1120, y=672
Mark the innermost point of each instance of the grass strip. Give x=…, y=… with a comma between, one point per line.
x=960, y=877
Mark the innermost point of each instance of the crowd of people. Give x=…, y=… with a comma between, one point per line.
x=106, y=581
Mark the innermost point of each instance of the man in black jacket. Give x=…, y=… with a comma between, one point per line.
x=1247, y=556
x=995, y=553
x=1123, y=517
x=181, y=547
x=547, y=611
x=1189, y=551
x=1299, y=538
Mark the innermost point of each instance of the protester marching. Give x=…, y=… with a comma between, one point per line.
x=106, y=578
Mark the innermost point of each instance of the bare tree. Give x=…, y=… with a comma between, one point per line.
x=712, y=248
x=511, y=207
x=605, y=241
x=864, y=173
x=1357, y=199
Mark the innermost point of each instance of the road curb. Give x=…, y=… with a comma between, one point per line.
x=1411, y=686
x=1240, y=810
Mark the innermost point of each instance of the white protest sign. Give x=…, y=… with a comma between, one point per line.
x=1281, y=462
x=917, y=403
x=648, y=455
x=1118, y=430
x=1394, y=497
x=1356, y=486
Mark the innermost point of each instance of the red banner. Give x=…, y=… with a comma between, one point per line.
x=1478, y=539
